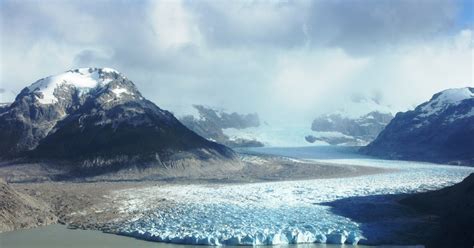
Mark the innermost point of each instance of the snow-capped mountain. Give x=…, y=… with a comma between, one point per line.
x=212, y=124
x=440, y=130
x=96, y=118
x=338, y=129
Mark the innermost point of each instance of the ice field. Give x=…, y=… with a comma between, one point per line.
x=273, y=213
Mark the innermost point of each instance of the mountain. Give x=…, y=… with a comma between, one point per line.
x=454, y=207
x=3, y=106
x=94, y=120
x=355, y=121
x=440, y=130
x=213, y=125
x=337, y=129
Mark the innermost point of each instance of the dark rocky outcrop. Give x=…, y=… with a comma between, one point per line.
x=454, y=208
x=440, y=130
x=310, y=138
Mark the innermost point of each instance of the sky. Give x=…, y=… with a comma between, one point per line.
x=286, y=60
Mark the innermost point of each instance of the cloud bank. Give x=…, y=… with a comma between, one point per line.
x=278, y=58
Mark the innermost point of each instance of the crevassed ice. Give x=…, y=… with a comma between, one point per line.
x=271, y=213
x=219, y=224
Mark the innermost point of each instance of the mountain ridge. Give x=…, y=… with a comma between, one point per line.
x=337, y=129
x=212, y=124
x=96, y=121
x=440, y=130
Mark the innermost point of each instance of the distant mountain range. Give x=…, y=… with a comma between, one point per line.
x=440, y=130
x=212, y=124
x=94, y=120
x=337, y=129
x=356, y=122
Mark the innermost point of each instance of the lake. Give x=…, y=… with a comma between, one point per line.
x=58, y=236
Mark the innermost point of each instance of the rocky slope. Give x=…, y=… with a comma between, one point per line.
x=454, y=208
x=440, y=130
x=212, y=124
x=94, y=120
x=337, y=129
x=18, y=211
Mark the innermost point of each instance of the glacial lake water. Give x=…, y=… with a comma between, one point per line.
x=308, y=197
x=58, y=236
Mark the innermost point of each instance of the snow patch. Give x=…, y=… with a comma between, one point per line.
x=83, y=79
x=110, y=70
x=458, y=116
x=445, y=99
x=331, y=134
x=119, y=91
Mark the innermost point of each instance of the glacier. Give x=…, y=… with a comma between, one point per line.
x=271, y=213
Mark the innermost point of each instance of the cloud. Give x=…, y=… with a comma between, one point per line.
x=273, y=57
x=361, y=28
x=357, y=27
x=308, y=79
x=173, y=25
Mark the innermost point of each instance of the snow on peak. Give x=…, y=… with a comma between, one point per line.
x=82, y=78
x=109, y=70
x=446, y=98
x=119, y=91
x=453, y=96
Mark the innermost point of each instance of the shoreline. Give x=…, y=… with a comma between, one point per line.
x=59, y=236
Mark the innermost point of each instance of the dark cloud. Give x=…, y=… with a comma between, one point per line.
x=356, y=26
x=244, y=24
x=362, y=26
x=127, y=31
x=218, y=53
